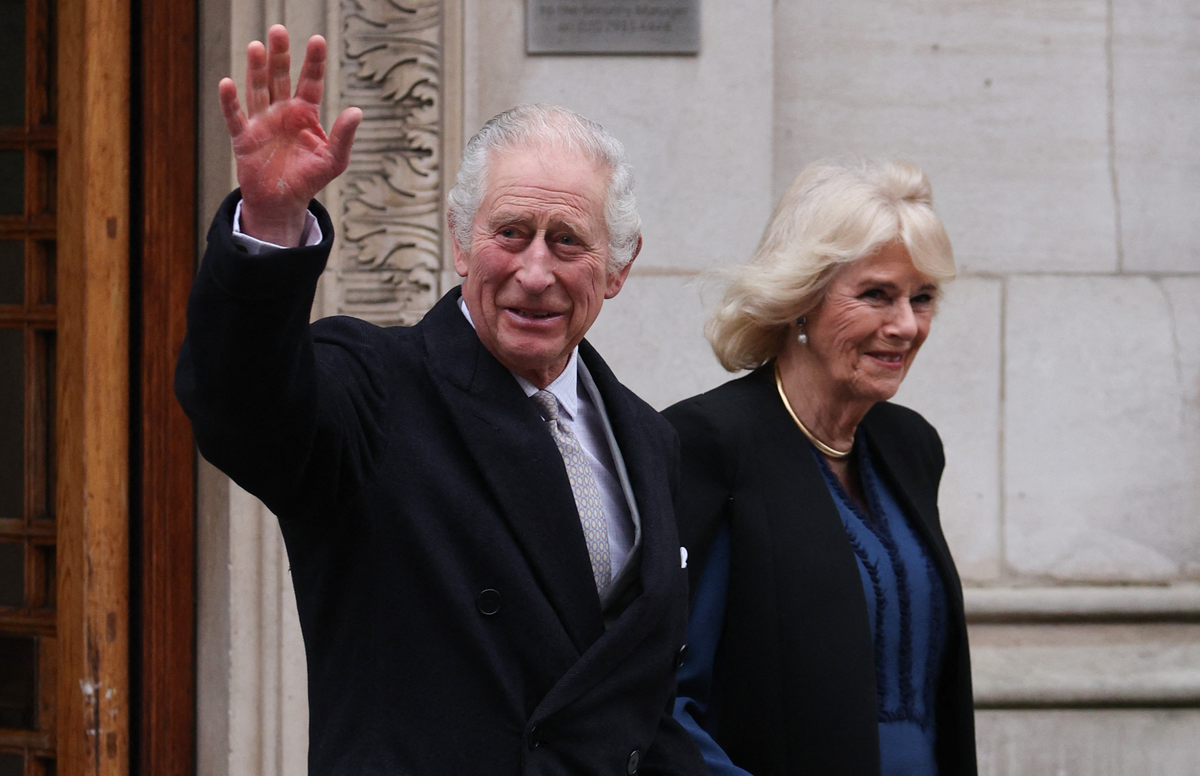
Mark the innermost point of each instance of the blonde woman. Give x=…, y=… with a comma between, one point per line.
x=827, y=632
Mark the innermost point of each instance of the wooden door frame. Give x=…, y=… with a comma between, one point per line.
x=92, y=428
x=164, y=258
x=125, y=500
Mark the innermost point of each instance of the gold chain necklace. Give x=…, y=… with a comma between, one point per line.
x=824, y=448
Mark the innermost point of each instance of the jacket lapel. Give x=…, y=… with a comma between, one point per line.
x=520, y=464
x=647, y=467
x=790, y=548
x=910, y=481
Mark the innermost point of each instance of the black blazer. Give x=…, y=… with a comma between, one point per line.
x=450, y=618
x=796, y=658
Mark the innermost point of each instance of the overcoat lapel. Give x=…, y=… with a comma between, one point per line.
x=647, y=470
x=910, y=478
x=518, y=460
x=646, y=467
x=813, y=576
x=805, y=523
x=894, y=453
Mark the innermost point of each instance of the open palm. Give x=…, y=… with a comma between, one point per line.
x=283, y=155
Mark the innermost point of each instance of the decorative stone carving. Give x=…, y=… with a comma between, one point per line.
x=391, y=195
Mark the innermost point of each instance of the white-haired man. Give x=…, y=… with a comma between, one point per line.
x=478, y=516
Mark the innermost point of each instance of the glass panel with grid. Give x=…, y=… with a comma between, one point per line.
x=28, y=319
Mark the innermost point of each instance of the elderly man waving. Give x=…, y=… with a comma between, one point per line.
x=478, y=516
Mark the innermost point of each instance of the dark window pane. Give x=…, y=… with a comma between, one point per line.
x=46, y=594
x=12, y=574
x=49, y=340
x=39, y=425
x=12, y=62
x=12, y=271
x=46, y=64
x=18, y=688
x=12, y=765
x=47, y=257
x=47, y=183
x=12, y=423
x=12, y=183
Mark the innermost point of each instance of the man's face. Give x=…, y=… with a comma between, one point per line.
x=537, y=271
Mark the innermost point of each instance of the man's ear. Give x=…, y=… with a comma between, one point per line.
x=617, y=279
x=461, y=257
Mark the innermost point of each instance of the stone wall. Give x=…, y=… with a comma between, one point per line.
x=1063, y=370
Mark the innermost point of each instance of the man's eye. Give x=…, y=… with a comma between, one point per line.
x=508, y=232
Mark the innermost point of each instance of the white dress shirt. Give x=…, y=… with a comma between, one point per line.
x=311, y=234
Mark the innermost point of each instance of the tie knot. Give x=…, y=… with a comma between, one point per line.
x=547, y=404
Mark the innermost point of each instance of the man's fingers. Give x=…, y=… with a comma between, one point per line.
x=235, y=120
x=341, y=137
x=258, y=93
x=311, y=85
x=279, y=63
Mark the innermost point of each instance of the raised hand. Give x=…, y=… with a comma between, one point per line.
x=283, y=155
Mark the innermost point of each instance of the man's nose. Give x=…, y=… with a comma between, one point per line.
x=536, y=272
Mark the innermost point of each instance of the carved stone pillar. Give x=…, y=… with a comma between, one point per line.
x=398, y=60
x=389, y=204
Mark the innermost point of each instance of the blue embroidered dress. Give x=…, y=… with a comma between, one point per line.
x=906, y=604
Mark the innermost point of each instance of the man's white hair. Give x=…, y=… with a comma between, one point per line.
x=537, y=124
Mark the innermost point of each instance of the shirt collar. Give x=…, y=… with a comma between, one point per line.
x=565, y=387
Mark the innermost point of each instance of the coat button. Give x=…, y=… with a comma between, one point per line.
x=488, y=602
x=535, y=737
x=680, y=656
x=635, y=759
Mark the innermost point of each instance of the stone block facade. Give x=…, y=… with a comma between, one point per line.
x=1063, y=368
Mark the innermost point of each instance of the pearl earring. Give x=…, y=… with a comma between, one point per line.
x=802, y=338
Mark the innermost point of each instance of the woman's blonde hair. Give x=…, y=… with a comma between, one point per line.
x=832, y=214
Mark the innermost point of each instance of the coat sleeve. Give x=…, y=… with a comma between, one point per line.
x=708, y=464
x=705, y=483
x=696, y=707
x=291, y=412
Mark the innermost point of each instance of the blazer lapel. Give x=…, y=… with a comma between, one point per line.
x=647, y=468
x=803, y=520
x=791, y=550
x=520, y=464
x=916, y=493
x=645, y=465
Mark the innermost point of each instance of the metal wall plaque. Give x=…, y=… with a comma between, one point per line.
x=612, y=26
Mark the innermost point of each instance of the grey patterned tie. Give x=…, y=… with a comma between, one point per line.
x=583, y=486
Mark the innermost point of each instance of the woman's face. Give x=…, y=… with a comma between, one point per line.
x=870, y=325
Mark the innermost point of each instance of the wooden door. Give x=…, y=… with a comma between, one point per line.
x=28, y=320
x=96, y=464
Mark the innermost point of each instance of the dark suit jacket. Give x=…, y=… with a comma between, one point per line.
x=450, y=618
x=796, y=659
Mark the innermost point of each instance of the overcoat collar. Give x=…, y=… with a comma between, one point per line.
x=895, y=459
x=520, y=463
x=813, y=576
x=523, y=469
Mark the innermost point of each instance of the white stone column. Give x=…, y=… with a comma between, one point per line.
x=252, y=693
